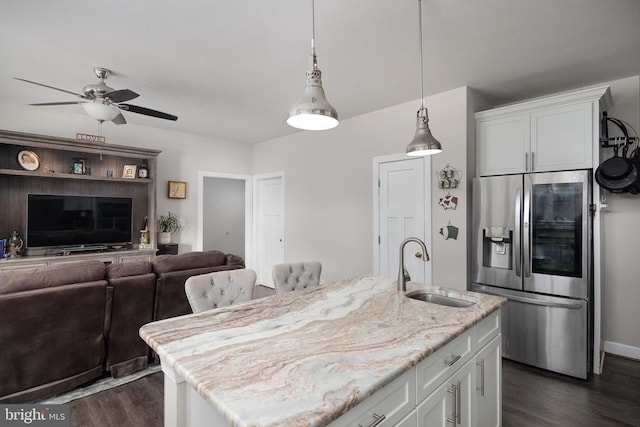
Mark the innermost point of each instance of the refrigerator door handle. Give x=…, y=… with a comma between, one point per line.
x=516, y=232
x=571, y=306
x=526, y=230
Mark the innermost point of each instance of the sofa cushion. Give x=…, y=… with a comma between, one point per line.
x=127, y=269
x=188, y=261
x=51, y=340
x=51, y=276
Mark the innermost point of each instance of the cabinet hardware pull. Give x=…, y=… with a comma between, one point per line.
x=453, y=390
x=481, y=386
x=526, y=162
x=532, y=169
x=457, y=402
x=453, y=358
x=377, y=419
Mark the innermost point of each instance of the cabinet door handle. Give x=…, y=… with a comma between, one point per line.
x=377, y=419
x=532, y=167
x=481, y=386
x=457, y=402
x=453, y=358
x=453, y=390
x=526, y=162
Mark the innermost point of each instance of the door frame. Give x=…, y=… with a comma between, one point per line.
x=256, y=216
x=248, y=211
x=428, y=241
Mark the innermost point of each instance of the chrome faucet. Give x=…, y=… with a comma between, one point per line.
x=403, y=275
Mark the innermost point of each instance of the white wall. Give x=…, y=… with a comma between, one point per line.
x=183, y=155
x=328, y=184
x=621, y=290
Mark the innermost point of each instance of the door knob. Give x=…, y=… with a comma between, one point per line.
x=418, y=254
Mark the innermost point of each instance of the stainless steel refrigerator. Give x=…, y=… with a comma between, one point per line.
x=532, y=237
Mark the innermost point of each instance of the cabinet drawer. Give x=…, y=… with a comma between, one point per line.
x=487, y=329
x=133, y=258
x=432, y=371
x=13, y=267
x=393, y=402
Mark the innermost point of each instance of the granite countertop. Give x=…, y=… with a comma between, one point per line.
x=307, y=357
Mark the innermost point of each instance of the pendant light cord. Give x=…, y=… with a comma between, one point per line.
x=313, y=35
x=421, y=61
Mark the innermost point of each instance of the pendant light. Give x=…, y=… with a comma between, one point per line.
x=423, y=143
x=313, y=111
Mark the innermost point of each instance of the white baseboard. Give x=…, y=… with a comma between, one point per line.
x=622, y=350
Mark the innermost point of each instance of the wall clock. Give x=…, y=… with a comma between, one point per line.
x=177, y=190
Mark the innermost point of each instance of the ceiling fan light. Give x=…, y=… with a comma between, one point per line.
x=423, y=143
x=101, y=112
x=313, y=111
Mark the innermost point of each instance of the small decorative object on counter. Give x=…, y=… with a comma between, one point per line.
x=143, y=172
x=448, y=202
x=449, y=232
x=15, y=245
x=3, y=246
x=448, y=177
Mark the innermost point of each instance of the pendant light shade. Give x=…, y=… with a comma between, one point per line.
x=313, y=111
x=423, y=143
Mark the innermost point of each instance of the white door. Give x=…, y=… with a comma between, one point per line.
x=269, y=217
x=403, y=211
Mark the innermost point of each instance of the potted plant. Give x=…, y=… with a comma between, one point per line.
x=167, y=224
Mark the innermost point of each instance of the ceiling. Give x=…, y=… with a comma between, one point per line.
x=231, y=69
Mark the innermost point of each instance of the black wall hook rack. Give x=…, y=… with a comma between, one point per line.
x=607, y=141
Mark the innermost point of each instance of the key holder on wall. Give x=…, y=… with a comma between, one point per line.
x=448, y=177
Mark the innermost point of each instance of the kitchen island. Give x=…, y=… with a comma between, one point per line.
x=336, y=353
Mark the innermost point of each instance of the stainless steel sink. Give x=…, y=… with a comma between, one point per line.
x=439, y=299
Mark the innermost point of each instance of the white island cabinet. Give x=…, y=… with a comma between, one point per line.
x=547, y=134
x=351, y=353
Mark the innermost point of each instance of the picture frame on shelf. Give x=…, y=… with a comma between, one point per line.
x=79, y=167
x=129, y=171
x=177, y=190
x=28, y=160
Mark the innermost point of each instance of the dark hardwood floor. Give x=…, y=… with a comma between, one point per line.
x=531, y=397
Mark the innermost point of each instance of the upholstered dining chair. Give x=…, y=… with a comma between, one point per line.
x=298, y=275
x=219, y=289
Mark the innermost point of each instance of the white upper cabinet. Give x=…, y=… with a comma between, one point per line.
x=548, y=134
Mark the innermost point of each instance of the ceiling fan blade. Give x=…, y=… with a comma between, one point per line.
x=147, y=112
x=121, y=95
x=50, y=87
x=58, y=103
x=119, y=120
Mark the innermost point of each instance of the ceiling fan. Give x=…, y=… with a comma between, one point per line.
x=104, y=103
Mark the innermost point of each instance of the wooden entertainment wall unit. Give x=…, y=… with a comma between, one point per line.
x=54, y=175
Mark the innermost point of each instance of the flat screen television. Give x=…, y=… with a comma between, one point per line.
x=77, y=221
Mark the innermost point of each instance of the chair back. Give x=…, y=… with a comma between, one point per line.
x=294, y=276
x=219, y=289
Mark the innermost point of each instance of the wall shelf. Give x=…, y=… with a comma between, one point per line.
x=36, y=174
